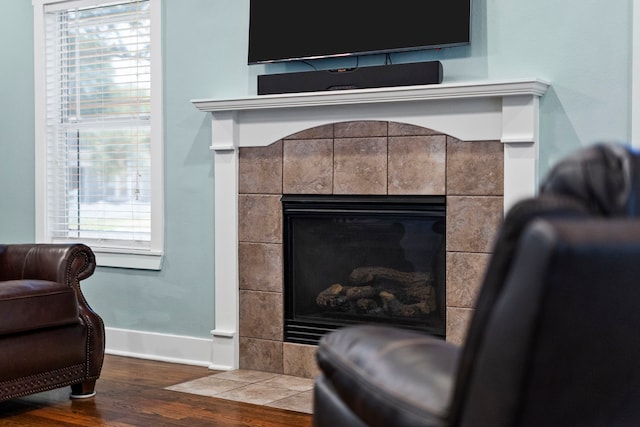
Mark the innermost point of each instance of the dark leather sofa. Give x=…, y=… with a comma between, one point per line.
x=555, y=335
x=49, y=336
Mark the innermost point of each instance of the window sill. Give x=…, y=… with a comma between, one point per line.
x=148, y=260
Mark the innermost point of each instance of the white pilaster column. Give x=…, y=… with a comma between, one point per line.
x=521, y=152
x=224, y=143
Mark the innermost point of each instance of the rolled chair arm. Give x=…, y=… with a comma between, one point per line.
x=28, y=269
x=64, y=263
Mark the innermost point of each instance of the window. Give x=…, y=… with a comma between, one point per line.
x=99, y=128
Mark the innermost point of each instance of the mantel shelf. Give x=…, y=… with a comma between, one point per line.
x=535, y=87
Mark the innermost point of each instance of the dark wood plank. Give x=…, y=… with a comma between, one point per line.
x=131, y=392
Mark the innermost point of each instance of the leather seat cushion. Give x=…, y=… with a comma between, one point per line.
x=27, y=305
x=383, y=373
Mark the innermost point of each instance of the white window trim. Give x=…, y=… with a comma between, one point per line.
x=150, y=259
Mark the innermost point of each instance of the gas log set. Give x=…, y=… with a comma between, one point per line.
x=381, y=291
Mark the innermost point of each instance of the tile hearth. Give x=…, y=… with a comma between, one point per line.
x=255, y=387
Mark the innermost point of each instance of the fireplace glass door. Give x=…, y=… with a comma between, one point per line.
x=363, y=259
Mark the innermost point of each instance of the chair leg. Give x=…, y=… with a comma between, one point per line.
x=83, y=390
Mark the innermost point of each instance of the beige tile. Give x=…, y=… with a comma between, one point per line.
x=475, y=168
x=259, y=218
x=300, y=360
x=245, y=375
x=360, y=166
x=360, y=129
x=404, y=129
x=260, y=266
x=256, y=387
x=207, y=386
x=458, y=320
x=260, y=169
x=465, y=272
x=257, y=394
x=261, y=355
x=301, y=402
x=472, y=223
x=417, y=165
x=261, y=315
x=324, y=131
x=289, y=382
x=308, y=166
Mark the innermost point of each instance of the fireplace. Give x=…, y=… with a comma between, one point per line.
x=358, y=162
x=492, y=133
x=362, y=259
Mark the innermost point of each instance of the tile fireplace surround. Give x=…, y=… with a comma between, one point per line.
x=476, y=143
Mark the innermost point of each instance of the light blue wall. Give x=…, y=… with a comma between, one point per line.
x=203, y=45
x=17, y=149
x=581, y=46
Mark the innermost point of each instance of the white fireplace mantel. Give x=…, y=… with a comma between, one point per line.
x=507, y=111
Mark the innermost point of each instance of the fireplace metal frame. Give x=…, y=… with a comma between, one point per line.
x=301, y=331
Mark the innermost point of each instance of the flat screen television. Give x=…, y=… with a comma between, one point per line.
x=288, y=30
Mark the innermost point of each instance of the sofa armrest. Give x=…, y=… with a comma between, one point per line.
x=64, y=263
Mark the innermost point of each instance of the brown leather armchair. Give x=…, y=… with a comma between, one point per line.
x=553, y=340
x=49, y=335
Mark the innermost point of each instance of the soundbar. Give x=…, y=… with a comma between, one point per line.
x=410, y=74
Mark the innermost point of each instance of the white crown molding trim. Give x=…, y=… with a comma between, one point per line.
x=534, y=87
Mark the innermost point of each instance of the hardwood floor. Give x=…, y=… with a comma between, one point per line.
x=131, y=392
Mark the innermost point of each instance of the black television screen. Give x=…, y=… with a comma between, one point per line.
x=285, y=30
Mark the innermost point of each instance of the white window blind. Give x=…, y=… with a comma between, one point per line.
x=98, y=132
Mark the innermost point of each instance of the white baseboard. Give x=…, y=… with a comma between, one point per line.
x=162, y=347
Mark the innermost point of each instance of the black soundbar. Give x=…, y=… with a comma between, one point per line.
x=414, y=73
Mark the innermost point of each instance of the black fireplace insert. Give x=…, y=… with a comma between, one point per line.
x=363, y=259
